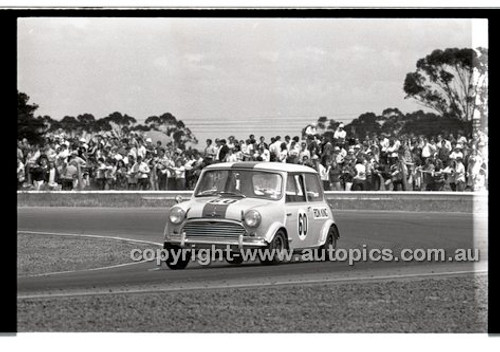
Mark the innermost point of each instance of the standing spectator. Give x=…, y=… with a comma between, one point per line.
x=456, y=153
x=101, y=174
x=52, y=183
x=223, y=151
x=427, y=175
x=310, y=130
x=283, y=153
x=110, y=173
x=324, y=172
x=275, y=149
x=304, y=152
x=21, y=175
x=69, y=176
x=340, y=134
x=141, y=170
x=264, y=154
x=459, y=174
x=359, y=179
x=370, y=171
x=348, y=172
x=335, y=172
x=262, y=142
x=131, y=173
x=121, y=175
x=180, y=176
x=439, y=176
x=210, y=152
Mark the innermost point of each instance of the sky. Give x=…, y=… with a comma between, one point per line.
x=224, y=76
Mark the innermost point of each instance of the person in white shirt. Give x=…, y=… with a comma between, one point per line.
x=459, y=175
x=304, y=152
x=359, y=180
x=283, y=154
x=456, y=153
x=340, y=133
x=264, y=153
x=324, y=172
x=275, y=149
x=141, y=170
x=180, y=175
x=310, y=130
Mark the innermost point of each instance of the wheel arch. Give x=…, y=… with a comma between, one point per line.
x=326, y=228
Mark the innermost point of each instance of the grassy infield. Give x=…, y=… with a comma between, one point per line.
x=453, y=304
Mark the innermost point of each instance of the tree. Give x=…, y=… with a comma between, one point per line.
x=450, y=81
x=169, y=125
x=28, y=126
x=116, y=123
x=365, y=124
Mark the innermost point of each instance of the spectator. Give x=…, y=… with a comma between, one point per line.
x=275, y=149
x=335, y=172
x=459, y=175
x=141, y=171
x=223, y=150
x=180, y=176
x=283, y=153
x=92, y=156
x=359, y=179
x=21, y=173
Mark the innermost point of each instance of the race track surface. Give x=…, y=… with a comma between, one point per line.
x=394, y=230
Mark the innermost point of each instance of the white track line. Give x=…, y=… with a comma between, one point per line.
x=91, y=269
x=255, y=285
x=91, y=236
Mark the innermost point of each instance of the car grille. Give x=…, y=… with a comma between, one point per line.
x=213, y=228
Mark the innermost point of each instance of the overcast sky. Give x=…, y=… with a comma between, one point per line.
x=227, y=76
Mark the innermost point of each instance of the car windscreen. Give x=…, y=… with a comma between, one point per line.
x=244, y=183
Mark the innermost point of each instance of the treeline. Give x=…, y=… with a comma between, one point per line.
x=34, y=128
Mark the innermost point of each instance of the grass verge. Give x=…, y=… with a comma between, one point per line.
x=39, y=254
x=445, y=304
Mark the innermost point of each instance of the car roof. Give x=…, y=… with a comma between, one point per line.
x=263, y=166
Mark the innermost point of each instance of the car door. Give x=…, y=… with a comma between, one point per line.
x=297, y=222
x=317, y=210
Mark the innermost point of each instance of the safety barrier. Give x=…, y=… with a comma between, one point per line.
x=389, y=201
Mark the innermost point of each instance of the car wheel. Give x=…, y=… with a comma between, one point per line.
x=331, y=241
x=236, y=259
x=277, y=245
x=181, y=263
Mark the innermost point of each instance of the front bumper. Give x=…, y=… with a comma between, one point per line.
x=209, y=242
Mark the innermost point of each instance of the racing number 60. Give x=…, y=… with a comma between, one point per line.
x=302, y=224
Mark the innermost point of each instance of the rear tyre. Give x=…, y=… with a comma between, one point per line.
x=173, y=253
x=276, y=248
x=331, y=242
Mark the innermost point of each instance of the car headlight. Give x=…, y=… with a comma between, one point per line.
x=176, y=215
x=252, y=218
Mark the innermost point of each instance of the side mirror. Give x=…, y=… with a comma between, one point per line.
x=178, y=199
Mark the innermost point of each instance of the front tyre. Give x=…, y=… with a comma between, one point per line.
x=177, y=258
x=275, y=250
x=235, y=259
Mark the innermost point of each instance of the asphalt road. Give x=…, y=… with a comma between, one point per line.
x=394, y=230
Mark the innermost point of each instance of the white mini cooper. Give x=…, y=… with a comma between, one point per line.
x=252, y=205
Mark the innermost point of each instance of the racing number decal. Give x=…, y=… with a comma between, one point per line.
x=223, y=201
x=302, y=224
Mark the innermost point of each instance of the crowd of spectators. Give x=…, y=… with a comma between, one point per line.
x=379, y=162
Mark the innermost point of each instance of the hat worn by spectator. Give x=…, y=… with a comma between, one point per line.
x=149, y=140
